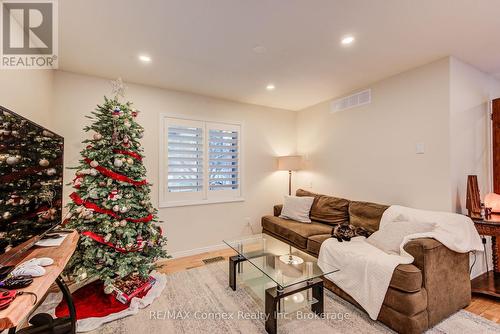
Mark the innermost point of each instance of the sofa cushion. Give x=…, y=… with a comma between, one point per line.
x=297, y=208
x=327, y=209
x=314, y=242
x=407, y=278
x=293, y=231
x=407, y=304
x=366, y=214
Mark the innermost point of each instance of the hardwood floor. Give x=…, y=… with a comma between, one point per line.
x=488, y=308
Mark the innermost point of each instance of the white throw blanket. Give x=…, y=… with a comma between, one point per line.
x=366, y=271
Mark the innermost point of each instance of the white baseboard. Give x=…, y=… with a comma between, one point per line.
x=198, y=250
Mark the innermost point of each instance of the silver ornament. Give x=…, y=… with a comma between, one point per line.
x=12, y=160
x=118, y=163
x=93, y=172
x=51, y=171
x=94, y=164
x=123, y=209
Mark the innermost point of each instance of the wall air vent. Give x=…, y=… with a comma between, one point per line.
x=352, y=101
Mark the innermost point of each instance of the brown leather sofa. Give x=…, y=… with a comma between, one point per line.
x=420, y=294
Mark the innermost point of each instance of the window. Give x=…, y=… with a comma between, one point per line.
x=200, y=162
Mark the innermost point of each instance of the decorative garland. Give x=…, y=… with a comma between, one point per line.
x=89, y=205
x=129, y=153
x=100, y=239
x=27, y=171
x=116, y=176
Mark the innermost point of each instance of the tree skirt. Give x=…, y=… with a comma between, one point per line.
x=95, y=308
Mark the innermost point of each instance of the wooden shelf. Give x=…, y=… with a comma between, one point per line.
x=23, y=306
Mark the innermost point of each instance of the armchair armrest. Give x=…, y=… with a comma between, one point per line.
x=277, y=210
x=445, y=276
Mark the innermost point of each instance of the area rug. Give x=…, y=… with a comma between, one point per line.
x=200, y=301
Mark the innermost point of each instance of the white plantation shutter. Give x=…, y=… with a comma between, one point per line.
x=223, y=160
x=200, y=162
x=185, y=160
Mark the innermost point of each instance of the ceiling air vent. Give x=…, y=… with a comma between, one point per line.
x=352, y=101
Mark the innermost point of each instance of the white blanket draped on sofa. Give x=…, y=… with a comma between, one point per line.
x=366, y=271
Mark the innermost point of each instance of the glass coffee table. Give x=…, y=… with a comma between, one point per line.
x=291, y=269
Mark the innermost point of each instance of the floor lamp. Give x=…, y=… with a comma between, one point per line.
x=290, y=163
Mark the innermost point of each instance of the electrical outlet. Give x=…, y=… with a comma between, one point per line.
x=248, y=223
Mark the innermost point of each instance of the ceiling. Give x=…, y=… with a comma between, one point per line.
x=206, y=47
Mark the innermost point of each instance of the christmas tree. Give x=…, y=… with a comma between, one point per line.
x=111, y=206
x=30, y=179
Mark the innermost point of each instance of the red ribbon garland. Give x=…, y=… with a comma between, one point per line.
x=100, y=239
x=129, y=153
x=89, y=205
x=116, y=176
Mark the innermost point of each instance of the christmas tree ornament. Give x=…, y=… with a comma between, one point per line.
x=114, y=195
x=102, y=184
x=6, y=215
x=12, y=160
x=118, y=163
x=94, y=164
x=116, y=224
x=51, y=171
x=130, y=161
x=123, y=209
x=93, y=172
x=97, y=136
x=47, y=133
x=116, y=208
x=123, y=223
x=43, y=162
x=124, y=160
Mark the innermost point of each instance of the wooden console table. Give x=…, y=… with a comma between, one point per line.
x=22, y=307
x=489, y=283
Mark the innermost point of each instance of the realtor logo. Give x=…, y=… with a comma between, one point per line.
x=29, y=34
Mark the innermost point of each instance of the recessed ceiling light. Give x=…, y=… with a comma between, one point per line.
x=145, y=58
x=270, y=86
x=347, y=40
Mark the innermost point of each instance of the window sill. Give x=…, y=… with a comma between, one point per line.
x=200, y=202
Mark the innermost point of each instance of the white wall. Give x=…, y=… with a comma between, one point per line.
x=368, y=153
x=267, y=133
x=470, y=94
x=28, y=93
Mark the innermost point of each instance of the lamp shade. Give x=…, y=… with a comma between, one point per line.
x=289, y=162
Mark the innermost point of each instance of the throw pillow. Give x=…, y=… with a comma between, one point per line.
x=390, y=237
x=297, y=208
x=346, y=231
